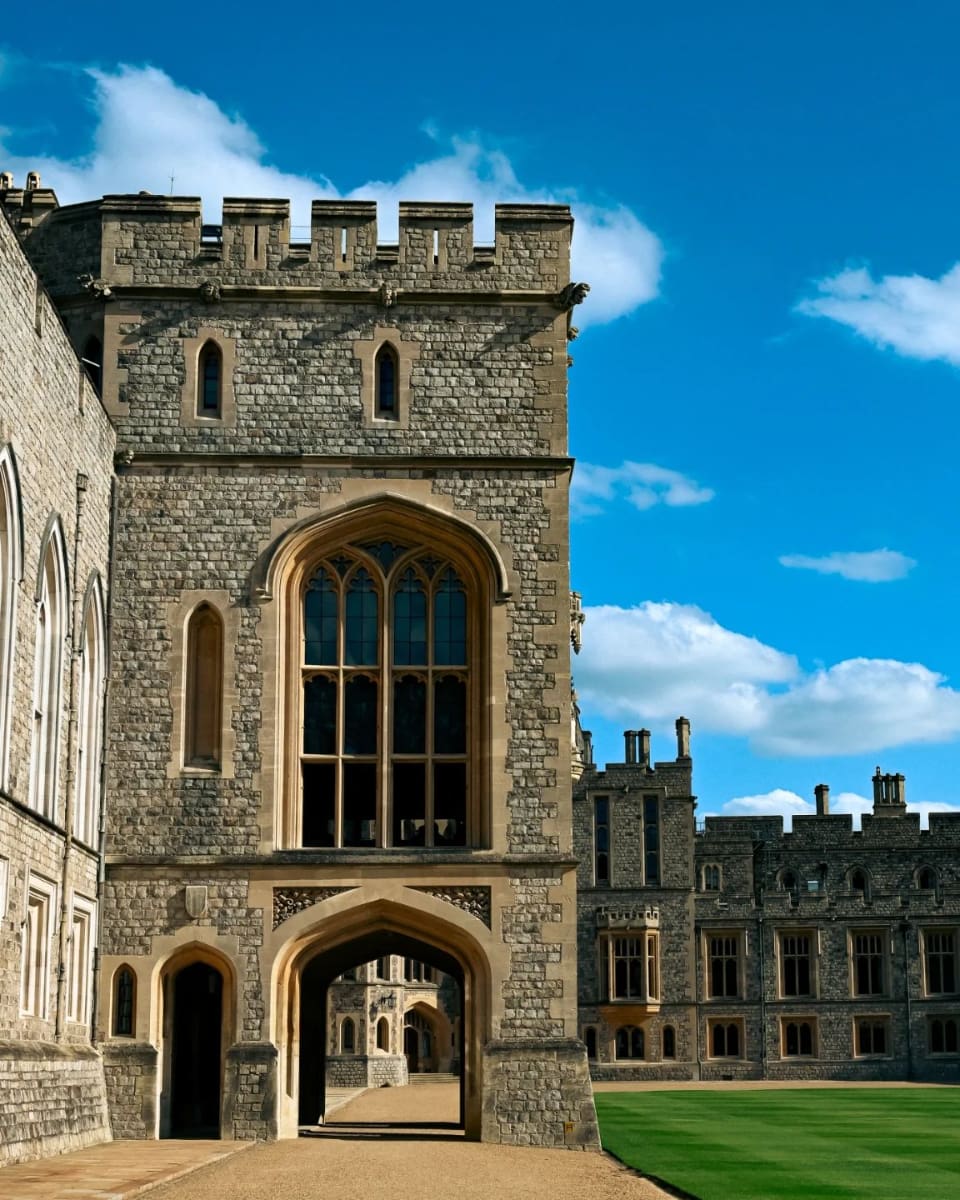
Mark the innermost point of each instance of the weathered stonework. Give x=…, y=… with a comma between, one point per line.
x=473, y=900
x=287, y=902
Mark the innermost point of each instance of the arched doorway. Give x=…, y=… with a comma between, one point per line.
x=316, y=975
x=194, y=1049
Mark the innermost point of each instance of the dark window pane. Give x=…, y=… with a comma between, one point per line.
x=386, y=382
x=359, y=804
x=363, y=624
x=123, y=1004
x=449, y=621
x=320, y=620
x=320, y=716
x=793, y=1041
x=733, y=1040
x=409, y=622
x=653, y=867
x=319, y=790
x=450, y=716
x=591, y=1040
x=210, y=366
x=669, y=1043
x=450, y=804
x=806, y=1039
x=409, y=715
x=360, y=715
x=409, y=804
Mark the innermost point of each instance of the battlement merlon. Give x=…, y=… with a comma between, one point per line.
x=145, y=240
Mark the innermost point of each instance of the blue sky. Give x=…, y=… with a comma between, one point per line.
x=764, y=396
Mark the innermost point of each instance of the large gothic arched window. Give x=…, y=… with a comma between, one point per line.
x=11, y=566
x=51, y=602
x=90, y=716
x=385, y=699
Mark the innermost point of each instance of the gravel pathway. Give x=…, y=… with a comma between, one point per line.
x=351, y=1161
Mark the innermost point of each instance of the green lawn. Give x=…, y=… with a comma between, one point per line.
x=800, y=1144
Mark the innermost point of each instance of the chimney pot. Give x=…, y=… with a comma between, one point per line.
x=630, y=746
x=683, y=737
x=822, y=793
x=643, y=747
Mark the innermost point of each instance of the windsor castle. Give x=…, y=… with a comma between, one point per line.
x=293, y=788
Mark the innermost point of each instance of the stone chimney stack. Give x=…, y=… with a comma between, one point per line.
x=629, y=746
x=822, y=793
x=683, y=737
x=587, y=747
x=33, y=181
x=643, y=747
x=889, y=795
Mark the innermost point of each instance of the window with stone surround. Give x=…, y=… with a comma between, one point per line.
x=601, y=841
x=940, y=972
x=204, y=688
x=942, y=1035
x=868, y=962
x=590, y=1038
x=725, y=1039
x=387, y=373
x=650, y=835
x=383, y=1034
x=798, y=1037
x=858, y=880
x=11, y=569
x=629, y=1042
x=36, y=946
x=80, y=959
x=797, y=954
x=669, y=1042
x=124, y=1002
x=386, y=702
x=50, y=632
x=710, y=877
x=871, y=1037
x=348, y=1036
x=927, y=879
x=633, y=966
x=724, y=964
x=210, y=381
x=86, y=811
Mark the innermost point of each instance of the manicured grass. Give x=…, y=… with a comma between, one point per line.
x=800, y=1144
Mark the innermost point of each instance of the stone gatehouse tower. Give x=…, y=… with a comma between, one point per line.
x=338, y=712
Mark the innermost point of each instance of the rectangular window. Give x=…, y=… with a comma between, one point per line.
x=725, y=1039
x=723, y=976
x=869, y=968
x=651, y=840
x=80, y=959
x=601, y=840
x=872, y=1037
x=633, y=967
x=798, y=1037
x=4, y=874
x=940, y=961
x=37, y=934
x=942, y=1035
x=796, y=964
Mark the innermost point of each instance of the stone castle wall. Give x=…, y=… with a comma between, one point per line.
x=53, y=423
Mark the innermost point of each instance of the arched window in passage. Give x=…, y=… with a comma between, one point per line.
x=669, y=1042
x=204, y=687
x=383, y=1034
x=385, y=700
x=124, y=1002
x=210, y=381
x=92, y=362
x=11, y=567
x=387, y=375
x=348, y=1036
x=629, y=1042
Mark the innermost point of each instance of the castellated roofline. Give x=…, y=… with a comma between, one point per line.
x=143, y=239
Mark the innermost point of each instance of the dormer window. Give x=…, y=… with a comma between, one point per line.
x=209, y=381
x=387, y=400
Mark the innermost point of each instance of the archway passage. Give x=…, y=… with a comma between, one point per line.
x=316, y=976
x=196, y=1063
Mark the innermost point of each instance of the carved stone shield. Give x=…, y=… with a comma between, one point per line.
x=195, y=900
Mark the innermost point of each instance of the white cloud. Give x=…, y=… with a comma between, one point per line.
x=641, y=484
x=868, y=566
x=149, y=127
x=650, y=663
x=656, y=661
x=783, y=803
x=916, y=316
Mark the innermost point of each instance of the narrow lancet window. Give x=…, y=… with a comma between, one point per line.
x=124, y=995
x=92, y=360
x=87, y=806
x=209, y=381
x=386, y=369
x=204, y=688
x=10, y=569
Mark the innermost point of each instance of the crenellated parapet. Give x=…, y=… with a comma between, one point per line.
x=146, y=240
